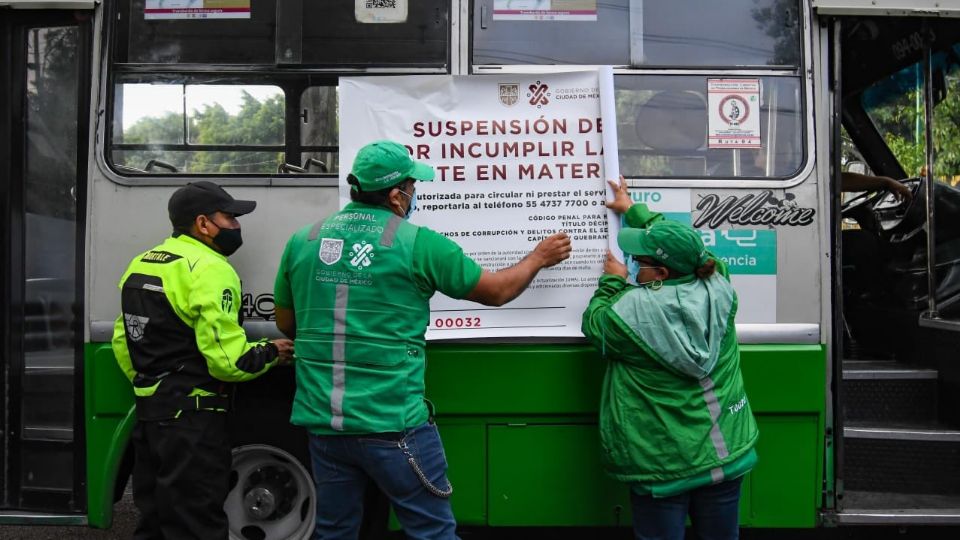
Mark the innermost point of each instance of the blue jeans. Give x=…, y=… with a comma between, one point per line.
x=714, y=513
x=342, y=465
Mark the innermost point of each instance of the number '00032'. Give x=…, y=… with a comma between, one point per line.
x=457, y=322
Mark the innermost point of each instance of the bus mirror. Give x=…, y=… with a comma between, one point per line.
x=856, y=166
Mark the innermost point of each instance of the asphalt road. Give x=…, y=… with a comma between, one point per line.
x=124, y=521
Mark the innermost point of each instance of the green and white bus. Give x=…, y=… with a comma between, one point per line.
x=108, y=106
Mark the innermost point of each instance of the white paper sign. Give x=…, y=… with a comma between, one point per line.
x=518, y=157
x=196, y=9
x=380, y=11
x=734, y=113
x=545, y=10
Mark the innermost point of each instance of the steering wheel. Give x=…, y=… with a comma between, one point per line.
x=866, y=199
x=873, y=199
x=890, y=211
x=877, y=210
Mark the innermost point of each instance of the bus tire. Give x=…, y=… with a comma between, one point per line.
x=271, y=495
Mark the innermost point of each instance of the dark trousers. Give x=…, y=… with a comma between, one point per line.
x=713, y=510
x=343, y=465
x=181, y=477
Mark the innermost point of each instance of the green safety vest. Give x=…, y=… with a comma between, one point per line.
x=179, y=337
x=360, y=324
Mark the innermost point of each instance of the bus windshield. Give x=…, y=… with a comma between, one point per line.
x=895, y=106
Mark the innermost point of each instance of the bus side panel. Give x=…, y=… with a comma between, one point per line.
x=787, y=390
x=109, y=418
x=533, y=415
x=520, y=434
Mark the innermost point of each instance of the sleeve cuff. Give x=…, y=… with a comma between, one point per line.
x=612, y=283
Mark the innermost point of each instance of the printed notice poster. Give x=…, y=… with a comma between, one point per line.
x=544, y=10
x=196, y=9
x=518, y=157
x=734, y=113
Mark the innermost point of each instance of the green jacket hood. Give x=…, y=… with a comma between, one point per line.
x=683, y=323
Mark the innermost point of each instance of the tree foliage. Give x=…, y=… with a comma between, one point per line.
x=257, y=123
x=900, y=120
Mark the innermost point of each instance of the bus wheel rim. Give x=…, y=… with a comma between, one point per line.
x=271, y=495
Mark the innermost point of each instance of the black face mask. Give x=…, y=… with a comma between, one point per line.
x=228, y=241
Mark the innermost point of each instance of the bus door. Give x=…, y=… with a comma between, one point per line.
x=900, y=392
x=44, y=82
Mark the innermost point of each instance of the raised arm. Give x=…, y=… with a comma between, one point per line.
x=498, y=288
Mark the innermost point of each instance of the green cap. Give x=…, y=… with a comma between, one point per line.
x=641, y=216
x=383, y=164
x=674, y=244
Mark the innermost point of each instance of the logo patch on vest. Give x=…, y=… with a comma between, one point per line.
x=362, y=255
x=227, y=301
x=136, y=326
x=330, y=250
x=159, y=257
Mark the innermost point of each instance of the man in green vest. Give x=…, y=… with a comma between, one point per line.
x=180, y=341
x=355, y=291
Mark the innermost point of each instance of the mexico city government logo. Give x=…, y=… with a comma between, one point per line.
x=509, y=94
x=539, y=94
x=330, y=250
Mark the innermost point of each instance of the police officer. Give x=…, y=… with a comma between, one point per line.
x=355, y=290
x=180, y=342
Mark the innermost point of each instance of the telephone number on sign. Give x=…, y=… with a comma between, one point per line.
x=456, y=322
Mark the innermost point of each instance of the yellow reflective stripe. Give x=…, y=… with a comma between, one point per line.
x=146, y=391
x=200, y=392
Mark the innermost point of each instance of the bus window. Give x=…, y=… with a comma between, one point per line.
x=319, y=135
x=327, y=33
x=197, y=129
x=663, y=125
x=349, y=33
x=196, y=41
x=639, y=33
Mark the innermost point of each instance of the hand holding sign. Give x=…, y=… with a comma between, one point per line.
x=553, y=249
x=621, y=197
x=613, y=267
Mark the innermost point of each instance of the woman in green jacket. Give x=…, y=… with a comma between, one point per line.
x=675, y=422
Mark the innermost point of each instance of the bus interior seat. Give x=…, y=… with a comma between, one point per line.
x=673, y=124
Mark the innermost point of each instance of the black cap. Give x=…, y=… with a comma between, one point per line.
x=204, y=198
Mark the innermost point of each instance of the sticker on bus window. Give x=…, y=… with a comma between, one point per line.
x=733, y=107
x=545, y=10
x=380, y=11
x=196, y=9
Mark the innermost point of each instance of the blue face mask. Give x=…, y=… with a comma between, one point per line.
x=633, y=268
x=633, y=272
x=413, y=203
